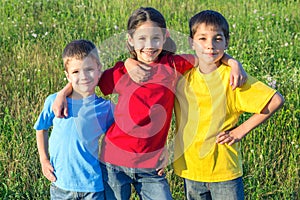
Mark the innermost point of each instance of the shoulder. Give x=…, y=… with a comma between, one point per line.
x=119, y=64
x=184, y=58
x=182, y=62
x=253, y=84
x=103, y=102
x=104, y=107
x=50, y=99
x=119, y=67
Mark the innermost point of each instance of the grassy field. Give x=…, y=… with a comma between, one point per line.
x=265, y=37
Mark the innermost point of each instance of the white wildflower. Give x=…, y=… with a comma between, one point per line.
x=271, y=82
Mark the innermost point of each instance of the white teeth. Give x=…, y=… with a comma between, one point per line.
x=149, y=52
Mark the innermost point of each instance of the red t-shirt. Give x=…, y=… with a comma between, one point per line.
x=143, y=112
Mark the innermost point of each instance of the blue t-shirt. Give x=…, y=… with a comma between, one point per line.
x=74, y=141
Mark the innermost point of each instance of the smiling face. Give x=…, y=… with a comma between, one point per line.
x=83, y=75
x=147, y=41
x=209, y=44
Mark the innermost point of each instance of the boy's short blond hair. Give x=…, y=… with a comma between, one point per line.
x=80, y=49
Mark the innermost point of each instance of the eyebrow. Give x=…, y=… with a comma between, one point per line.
x=203, y=34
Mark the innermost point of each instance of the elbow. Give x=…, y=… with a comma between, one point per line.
x=279, y=100
x=274, y=104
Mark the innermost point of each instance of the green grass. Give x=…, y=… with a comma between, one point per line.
x=265, y=37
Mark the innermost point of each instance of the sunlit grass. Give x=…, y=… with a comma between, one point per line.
x=265, y=37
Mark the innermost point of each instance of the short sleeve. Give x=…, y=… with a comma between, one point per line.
x=110, y=115
x=184, y=62
x=45, y=119
x=253, y=96
x=110, y=77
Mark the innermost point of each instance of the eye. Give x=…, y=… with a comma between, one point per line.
x=202, y=38
x=156, y=38
x=74, y=72
x=90, y=69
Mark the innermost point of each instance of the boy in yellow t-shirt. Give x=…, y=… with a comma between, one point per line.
x=207, y=149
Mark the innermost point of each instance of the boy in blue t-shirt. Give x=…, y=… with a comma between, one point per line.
x=74, y=168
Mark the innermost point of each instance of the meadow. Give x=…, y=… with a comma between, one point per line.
x=265, y=38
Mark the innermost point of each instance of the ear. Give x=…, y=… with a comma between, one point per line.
x=67, y=76
x=130, y=40
x=100, y=72
x=191, y=42
x=226, y=44
x=164, y=40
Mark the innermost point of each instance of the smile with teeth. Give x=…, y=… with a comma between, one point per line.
x=150, y=53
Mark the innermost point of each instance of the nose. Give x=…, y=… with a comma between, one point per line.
x=83, y=75
x=209, y=44
x=149, y=43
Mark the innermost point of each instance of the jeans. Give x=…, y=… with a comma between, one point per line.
x=227, y=190
x=147, y=183
x=60, y=194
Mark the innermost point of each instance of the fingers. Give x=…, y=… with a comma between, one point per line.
x=60, y=111
x=145, y=67
x=48, y=172
x=243, y=80
x=144, y=71
x=226, y=138
x=234, y=82
x=50, y=176
x=65, y=113
x=56, y=112
x=237, y=81
x=140, y=74
x=160, y=172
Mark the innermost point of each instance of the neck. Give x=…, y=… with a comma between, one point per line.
x=207, y=68
x=78, y=95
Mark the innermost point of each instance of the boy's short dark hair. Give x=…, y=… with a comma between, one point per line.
x=209, y=17
x=80, y=49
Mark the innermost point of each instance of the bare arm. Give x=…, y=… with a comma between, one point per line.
x=42, y=145
x=60, y=105
x=138, y=72
x=235, y=135
x=238, y=75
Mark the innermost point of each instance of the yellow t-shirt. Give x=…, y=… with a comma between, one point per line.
x=205, y=106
